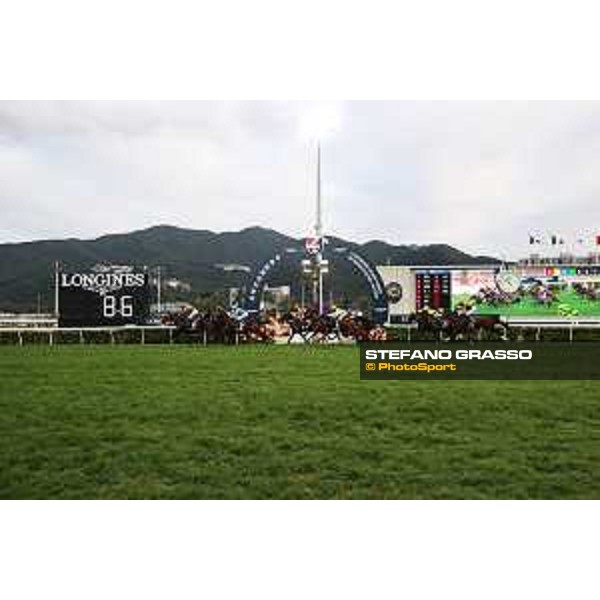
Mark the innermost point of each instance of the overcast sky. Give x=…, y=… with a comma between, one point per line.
x=479, y=176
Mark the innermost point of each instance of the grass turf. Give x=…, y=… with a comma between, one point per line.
x=281, y=422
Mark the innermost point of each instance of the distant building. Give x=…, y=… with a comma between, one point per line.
x=177, y=285
x=170, y=307
x=276, y=297
x=232, y=268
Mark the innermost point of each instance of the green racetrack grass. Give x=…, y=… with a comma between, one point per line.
x=281, y=422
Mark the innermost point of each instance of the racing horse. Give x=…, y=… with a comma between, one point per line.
x=457, y=326
x=429, y=323
x=298, y=326
x=360, y=328
x=253, y=329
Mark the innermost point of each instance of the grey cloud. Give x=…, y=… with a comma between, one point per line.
x=477, y=175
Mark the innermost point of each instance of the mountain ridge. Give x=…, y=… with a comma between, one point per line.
x=190, y=255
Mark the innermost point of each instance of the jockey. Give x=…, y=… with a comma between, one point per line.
x=335, y=312
x=431, y=312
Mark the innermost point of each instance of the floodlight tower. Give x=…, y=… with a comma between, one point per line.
x=320, y=122
x=320, y=265
x=319, y=216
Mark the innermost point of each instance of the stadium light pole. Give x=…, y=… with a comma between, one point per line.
x=319, y=216
x=319, y=229
x=321, y=121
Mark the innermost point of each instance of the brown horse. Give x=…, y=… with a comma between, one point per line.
x=252, y=330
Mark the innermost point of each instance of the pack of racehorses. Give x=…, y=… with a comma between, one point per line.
x=459, y=325
x=302, y=325
x=308, y=326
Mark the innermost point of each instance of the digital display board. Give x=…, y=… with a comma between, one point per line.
x=104, y=296
x=433, y=289
x=537, y=291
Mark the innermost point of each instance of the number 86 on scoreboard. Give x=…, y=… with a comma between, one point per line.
x=117, y=306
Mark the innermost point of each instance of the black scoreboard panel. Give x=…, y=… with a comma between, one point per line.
x=103, y=300
x=433, y=289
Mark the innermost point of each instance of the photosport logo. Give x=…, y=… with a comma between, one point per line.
x=492, y=361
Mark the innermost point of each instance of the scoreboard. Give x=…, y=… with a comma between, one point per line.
x=433, y=289
x=104, y=296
